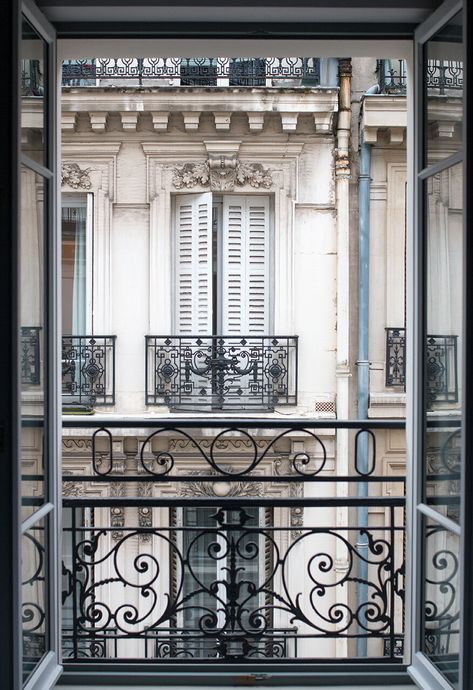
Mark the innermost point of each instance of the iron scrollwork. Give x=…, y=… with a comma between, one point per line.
x=220, y=371
x=88, y=370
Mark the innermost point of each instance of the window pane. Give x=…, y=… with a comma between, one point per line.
x=33, y=84
x=441, y=598
x=34, y=596
x=444, y=91
x=74, y=276
x=32, y=350
x=443, y=395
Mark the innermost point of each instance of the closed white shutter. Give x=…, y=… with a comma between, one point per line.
x=193, y=264
x=245, y=265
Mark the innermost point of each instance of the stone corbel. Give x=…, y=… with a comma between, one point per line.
x=160, y=120
x=68, y=122
x=442, y=129
x=191, y=120
x=289, y=121
x=129, y=120
x=98, y=121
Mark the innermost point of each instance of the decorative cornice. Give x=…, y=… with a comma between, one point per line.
x=222, y=173
x=73, y=176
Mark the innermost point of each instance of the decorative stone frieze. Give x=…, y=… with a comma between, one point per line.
x=222, y=173
x=117, y=513
x=145, y=513
x=73, y=176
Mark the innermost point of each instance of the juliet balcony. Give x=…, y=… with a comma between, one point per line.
x=88, y=370
x=221, y=372
x=442, y=365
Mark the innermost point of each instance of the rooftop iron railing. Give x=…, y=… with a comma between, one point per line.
x=186, y=71
x=444, y=77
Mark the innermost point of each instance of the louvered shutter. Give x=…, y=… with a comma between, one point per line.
x=245, y=269
x=193, y=264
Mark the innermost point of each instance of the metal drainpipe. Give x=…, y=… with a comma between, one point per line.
x=363, y=365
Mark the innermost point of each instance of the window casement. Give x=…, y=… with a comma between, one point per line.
x=76, y=243
x=87, y=358
x=222, y=265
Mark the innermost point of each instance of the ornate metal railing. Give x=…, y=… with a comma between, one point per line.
x=442, y=368
x=444, y=77
x=88, y=370
x=30, y=356
x=174, y=643
x=231, y=540
x=31, y=78
x=221, y=372
x=246, y=71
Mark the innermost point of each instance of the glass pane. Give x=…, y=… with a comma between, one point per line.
x=32, y=338
x=441, y=597
x=34, y=596
x=74, y=269
x=444, y=91
x=33, y=84
x=443, y=395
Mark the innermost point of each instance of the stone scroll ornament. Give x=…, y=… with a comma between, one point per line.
x=73, y=176
x=221, y=173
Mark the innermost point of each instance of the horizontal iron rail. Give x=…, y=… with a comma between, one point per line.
x=175, y=502
x=156, y=479
x=232, y=423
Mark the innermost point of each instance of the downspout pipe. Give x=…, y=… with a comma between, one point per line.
x=363, y=365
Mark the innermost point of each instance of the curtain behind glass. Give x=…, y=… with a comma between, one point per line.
x=74, y=270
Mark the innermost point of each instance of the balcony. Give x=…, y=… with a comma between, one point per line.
x=221, y=372
x=30, y=356
x=218, y=540
x=248, y=71
x=444, y=77
x=88, y=370
x=442, y=365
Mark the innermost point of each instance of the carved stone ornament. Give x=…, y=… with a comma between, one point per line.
x=221, y=488
x=222, y=173
x=73, y=176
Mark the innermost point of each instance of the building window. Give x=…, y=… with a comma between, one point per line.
x=76, y=217
x=222, y=265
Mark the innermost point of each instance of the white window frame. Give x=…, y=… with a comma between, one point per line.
x=70, y=200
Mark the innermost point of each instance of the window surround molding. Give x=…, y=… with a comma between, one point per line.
x=280, y=160
x=100, y=161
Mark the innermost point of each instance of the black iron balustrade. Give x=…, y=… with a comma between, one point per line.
x=88, y=370
x=444, y=77
x=217, y=540
x=174, y=643
x=30, y=356
x=441, y=365
x=221, y=372
x=31, y=78
x=246, y=71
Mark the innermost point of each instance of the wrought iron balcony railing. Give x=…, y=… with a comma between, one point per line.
x=442, y=369
x=30, y=356
x=193, y=71
x=444, y=77
x=219, y=540
x=88, y=370
x=221, y=372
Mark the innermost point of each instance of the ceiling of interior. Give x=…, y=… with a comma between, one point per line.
x=370, y=12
